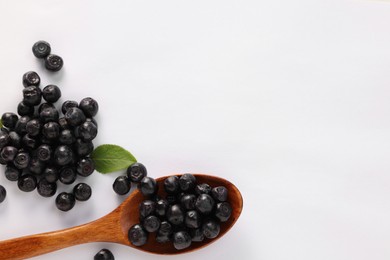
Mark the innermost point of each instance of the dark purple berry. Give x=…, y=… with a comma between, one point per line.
x=89, y=106
x=67, y=137
x=63, y=155
x=136, y=172
x=223, y=211
x=187, y=182
x=9, y=120
x=121, y=185
x=31, y=78
x=85, y=167
x=44, y=105
x=3, y=194
x=219, y=193
x=203, y=188
x=83, y=148
x=27, y=183
x=4, y=139
x=51, y=130
x=171, y=185
x=147, y=208
x=175, y=214
x=12, y=173
x=74, y=116
x=181, y=240
x=104, y=254
x=210, y=228
x=51, y=174
x=15, y=140
x=25, y=110
x=63, y=123
x=32, y=96
x=49, y=114
x=33, y=127
x=137, y=235
x=21, y=125
x=41, y=49
x=151, y=223
x=165, y=228
x=68, y=175
x=197, y=235
x=65, y=201
x=44, y=152
x=29, y=141
x=68, y=104
x=51, y=93
x=148, y=186
x=46, y=189
x=53, y=62
x=87, y=131
x=162, y=207
x=204, y=204
x=22, y=160
x=188, y=201
x=36, y=166
x=192, y=219
x=8, y=153
x=82, y=192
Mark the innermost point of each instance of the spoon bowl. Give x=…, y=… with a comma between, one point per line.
x=114, y=227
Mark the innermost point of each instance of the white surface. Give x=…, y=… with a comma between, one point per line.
x=290, y=100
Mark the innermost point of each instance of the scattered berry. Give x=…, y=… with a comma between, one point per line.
x=31, y=78
x=121, y=185
x=3, y=194
x=53, y=62
x=82, y=192
x=41, y=49
x=136, y=172
x=104, y=254
x=65, y=201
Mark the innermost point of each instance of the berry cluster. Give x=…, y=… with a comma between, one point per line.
x=42, y=50
x=42, y=145
x=189, y=213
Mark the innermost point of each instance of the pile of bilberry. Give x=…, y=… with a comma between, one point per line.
x=190, y=212
x=42, y=144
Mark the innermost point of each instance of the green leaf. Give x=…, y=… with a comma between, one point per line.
x=1, y=124
x=110, y=158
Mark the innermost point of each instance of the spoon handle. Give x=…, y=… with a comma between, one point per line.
x=105, y=229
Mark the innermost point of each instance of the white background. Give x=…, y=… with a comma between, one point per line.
x=289, y=100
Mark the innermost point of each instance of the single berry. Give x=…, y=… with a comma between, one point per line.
x=104, y=254
x=89, y=106
x=36, y=166
x=85, y=167
x=82, y=192
x=12, y=173
x=41, y=49
x=137, y=235
x=63, y=155
x=147, y=208
x=68, y=104
x=171, y=185
x=87, y=131
x=204, y=204
x=3, y=194
x=65, y=201
x=188, y=201
x=9, y=120
x=51, y=93
x=8, y=153
x=151, y=223
x=223, y=211
x=51, y=130
x=162, y=207
x=31, y=78
x=15, y=140
x=53, y=62
x=27, y=183
x=74, y=116
x=197, y=235
x=49, y=114
x=165, y=228
x=136, y=172
x=46, y=189
x=32, y=95
x=68, y=175
x=44, y=105
x=67, y=137
x=22, y=160
x=29, y=141
x=51, y=174
x=83, y=148
x=25, y=110
x=33, y=127
x=63, y=123
x=21, y=125
x=219, y=193
x=192, y=219
x=44, y=152
x=175, y=214
x=210, y=228
x=203, y=188
x=4, y=139
x=181, y=240
x=121, y=185
x=148, y=186
x=187, y=182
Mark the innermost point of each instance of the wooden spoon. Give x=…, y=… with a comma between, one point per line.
x=114, y=228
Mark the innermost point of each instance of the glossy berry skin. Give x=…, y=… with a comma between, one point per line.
x=187, y=182
x=44, y=152
x=44, y=105
x=151, y=223
x=31, y=78
x=162, y=207
x=210, y=229
x=137, y=235
x=147, y=208
x=171, y=185
x=33, y=127
x=8, y=153
x=148, y=186
x=21, y=125
x=63, y=123
x=197, y=235
x=68, y=175
x=3, y=194
x=83, y=148
x=22, y=160
x=51, y=130
x=136, y=172
x=181, y=240
x=82, y=192
x=12, y=173
x=65, y=201
x=175, y=215
x=51, y=93
x=46, y=189
x=68, y=104
x=41, y=49
x=49, y=114
x=27, y=183
x=14, y=139
x=9, y=120
x=204, y=204
x=121, y=185
x=74, y=116
x=87, y=131
x=223, y=211
x=25, y=110
x=51, y=174
x=89, y=106
x=219, y=193
x=192, y=219
x=104, y=254
x=53, y=62
x=188, y=201
x=67, y=137
x=36, y=166
x=202, y=188
x=4, y=139
x=63, y=155
x=32, y=96
x=29, y=141
x=85, y=167
x=165, y=228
